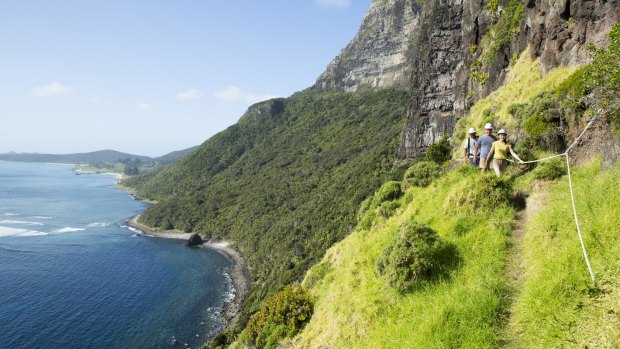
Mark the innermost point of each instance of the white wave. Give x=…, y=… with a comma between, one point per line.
x=8, y=221
x=10, y=214
x=33, y=233
x=98, y=225
x=137, y=231
x=41, y=217
x=67, y=230
x=8, y=231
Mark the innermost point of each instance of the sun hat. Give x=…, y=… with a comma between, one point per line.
x=502, y=131
x=472, y=130
x=488, y=126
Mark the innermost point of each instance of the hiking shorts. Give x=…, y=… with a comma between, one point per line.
x=499, y=166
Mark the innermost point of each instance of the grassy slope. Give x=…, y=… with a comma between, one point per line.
x=555, y=307
x=558, y=306
x=354, y=308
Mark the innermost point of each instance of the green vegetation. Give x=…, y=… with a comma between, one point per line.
x=412, y=258
x=558, y=305
x=381, y=203
x=439, y=152
x=551, y=169
x=284, y=183
x=489, y=192
x=499, y=35
x=281, y=316
x=421, y=174
x=523, y=83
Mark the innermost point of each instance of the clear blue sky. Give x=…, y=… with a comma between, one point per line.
x=151, y=76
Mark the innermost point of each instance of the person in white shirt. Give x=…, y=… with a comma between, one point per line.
x=470, y=151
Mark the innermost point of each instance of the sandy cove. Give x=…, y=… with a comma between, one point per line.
x=239, y=272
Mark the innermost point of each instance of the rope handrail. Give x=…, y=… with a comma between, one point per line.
x=570, y=185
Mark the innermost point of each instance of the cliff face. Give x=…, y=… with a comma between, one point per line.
x=558, y=32
x=432, y=48
x=379, y=55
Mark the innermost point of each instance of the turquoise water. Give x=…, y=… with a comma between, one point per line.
x=73, y=276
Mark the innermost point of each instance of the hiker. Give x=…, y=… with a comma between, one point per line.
x=469, y=148
x=499, y=152
x=483, y=146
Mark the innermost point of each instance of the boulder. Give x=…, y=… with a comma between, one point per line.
x=194, y=240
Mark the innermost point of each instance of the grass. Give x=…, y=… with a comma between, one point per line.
x=523, y=82
x=354, y=308
x=558, y=305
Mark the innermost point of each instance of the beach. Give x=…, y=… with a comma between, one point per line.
x=239, y=273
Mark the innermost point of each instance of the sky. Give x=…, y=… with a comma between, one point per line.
x=148, y=77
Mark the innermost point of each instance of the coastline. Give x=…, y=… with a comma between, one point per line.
x=239, y=273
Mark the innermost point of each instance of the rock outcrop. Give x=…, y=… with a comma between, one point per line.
x=559, y=30
x=380, y=53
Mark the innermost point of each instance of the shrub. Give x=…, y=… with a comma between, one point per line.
x=370, y=207
x=485, y=193
x=550, y=170
x=411, y=258
x=421, y=174
x=439, y=152
x=281, y=316
x=536, y=126
x=388, y=191
x=387, y=208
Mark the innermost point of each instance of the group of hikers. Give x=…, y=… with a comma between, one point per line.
x=486, y=149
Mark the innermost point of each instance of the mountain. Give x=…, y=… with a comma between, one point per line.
x=92, y=157
x=173, y=156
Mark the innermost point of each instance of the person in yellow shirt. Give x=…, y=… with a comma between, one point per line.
x=499, y=151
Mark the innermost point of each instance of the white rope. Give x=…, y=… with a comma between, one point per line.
x=547, y=158
x=572, y=196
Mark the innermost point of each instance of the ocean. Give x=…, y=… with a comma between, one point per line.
x=72, y=275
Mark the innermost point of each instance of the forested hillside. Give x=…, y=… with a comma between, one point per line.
x=284, y=183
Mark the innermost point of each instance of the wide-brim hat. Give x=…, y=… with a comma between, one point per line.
x=502, y=131
x=488, y=126
x=472, y=130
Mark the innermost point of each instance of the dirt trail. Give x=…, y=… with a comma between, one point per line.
x=515, y=266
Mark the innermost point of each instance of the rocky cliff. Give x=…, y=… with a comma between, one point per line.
x=450, y=53
x=466, y=46
x=379, y=55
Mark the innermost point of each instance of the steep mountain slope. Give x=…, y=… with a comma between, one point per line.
x=284, y=183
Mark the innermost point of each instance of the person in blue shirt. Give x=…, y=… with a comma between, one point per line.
x=483, y=146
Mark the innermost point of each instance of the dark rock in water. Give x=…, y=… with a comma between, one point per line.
x=194, y=240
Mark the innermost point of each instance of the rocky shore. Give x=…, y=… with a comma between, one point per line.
x=239, y=273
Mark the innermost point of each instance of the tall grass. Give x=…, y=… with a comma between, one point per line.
x=559, y=306
x=524, y=81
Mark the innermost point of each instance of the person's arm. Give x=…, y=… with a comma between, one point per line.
x=489, y=156
x=514, y=154
x=476, y=148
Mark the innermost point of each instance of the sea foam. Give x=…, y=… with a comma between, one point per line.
x=8, y=221
x=8, y=231
x=67, y=230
